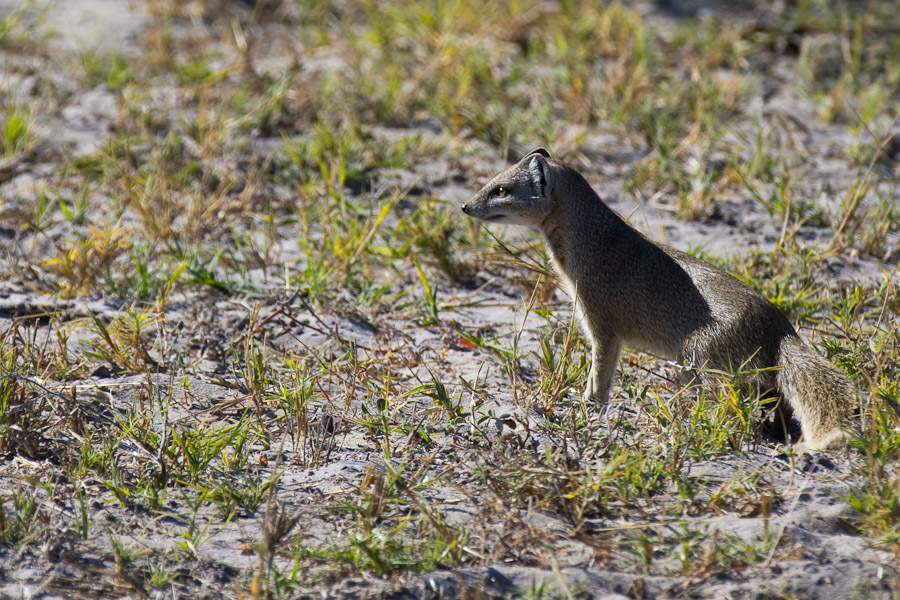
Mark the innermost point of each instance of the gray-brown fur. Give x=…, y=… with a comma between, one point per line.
x=632, y=291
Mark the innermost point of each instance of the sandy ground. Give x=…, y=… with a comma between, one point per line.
x=80, y=25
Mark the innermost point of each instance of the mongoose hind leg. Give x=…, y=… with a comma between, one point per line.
x=604, y=358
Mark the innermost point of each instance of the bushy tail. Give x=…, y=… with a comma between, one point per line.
x=820, y=394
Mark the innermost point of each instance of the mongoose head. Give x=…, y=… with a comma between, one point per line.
x=520, y=195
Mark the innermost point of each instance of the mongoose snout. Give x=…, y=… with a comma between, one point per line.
x=629, y=290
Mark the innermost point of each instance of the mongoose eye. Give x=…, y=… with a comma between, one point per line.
x=501, y=191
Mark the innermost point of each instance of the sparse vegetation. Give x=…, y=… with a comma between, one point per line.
x=249, y=346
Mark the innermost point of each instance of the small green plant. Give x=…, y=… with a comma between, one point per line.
x=560, y=373
x=76, y=212
x=214, y=270
x=80, y=510
x=123, y=555
x=429, y=309
x=17, y=129
x=158, y=575
x=111, y=69
x=23, y=524
x=21, y=25
x=194, y=448
x=196, y=533
x=122, y=343
x=437, y=391
x=147, y=278
x=42, y=210
x=245, y=493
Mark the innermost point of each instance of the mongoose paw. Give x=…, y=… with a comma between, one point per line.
x=595, y=394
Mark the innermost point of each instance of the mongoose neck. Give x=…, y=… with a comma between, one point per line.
x=579, y=214
x=578, y=199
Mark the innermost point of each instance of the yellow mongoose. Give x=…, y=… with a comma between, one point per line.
x=631, y=290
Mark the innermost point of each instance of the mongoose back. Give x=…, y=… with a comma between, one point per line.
x=629, y=290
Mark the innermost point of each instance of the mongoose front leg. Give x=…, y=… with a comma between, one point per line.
x=604, y=358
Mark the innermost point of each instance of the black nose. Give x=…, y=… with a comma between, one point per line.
x=464, y=208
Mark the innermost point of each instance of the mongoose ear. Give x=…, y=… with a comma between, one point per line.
x=541, y=176
x=541, y=151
